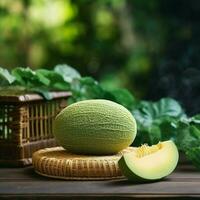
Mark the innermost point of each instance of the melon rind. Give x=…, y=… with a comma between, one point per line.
x=95, y=127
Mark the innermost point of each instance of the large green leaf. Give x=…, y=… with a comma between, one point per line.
x=158, y=116
x=26, y=77
x=121, y=96
x=193, y=154
x=195, y=119
x=149, y=135
x=86, y=88
x=187, y=135
x=5, y=77
x=68, y=73
x=44, y=92
x=52, y=80
x=151, y=112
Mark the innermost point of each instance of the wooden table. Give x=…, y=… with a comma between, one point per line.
x=23, y=183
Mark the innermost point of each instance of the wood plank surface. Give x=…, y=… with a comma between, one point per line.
x=24, y=183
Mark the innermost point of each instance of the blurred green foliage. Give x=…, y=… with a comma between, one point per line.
x=100, y=38
x=145, y=46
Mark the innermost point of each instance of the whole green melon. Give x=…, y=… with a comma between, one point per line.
x=95, y=127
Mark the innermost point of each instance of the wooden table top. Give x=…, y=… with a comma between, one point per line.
x=23, y=183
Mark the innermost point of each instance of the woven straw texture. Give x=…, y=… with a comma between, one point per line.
x=58, y=163
x=26, y=126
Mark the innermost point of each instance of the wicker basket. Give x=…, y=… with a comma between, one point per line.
x=58, y=163
x=26, y=126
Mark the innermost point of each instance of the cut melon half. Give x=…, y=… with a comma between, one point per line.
x=150, y=162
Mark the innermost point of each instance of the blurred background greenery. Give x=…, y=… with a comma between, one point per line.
x=151, y=47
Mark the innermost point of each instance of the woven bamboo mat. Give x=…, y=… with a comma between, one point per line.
x=58, y=163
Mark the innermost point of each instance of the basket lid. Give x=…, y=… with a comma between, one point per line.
x=56, y=162
x=32, y=97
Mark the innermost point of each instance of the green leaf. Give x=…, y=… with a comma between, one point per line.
x=68, y=73
x=121, y=96
x=41, y=81
x=151, y=112
x=168, y=107
x=193, y=154
x=44, y=92
x=168, y=129
x=43, y=76
x=195, y=119
x=26, y=77
x=86, y=88
x=52, y=80
x=187, y=136
x=5, y=77
x=159, y=115
x=154, y=134
x=148, y=135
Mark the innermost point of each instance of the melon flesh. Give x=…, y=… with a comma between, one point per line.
x=150, y=162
